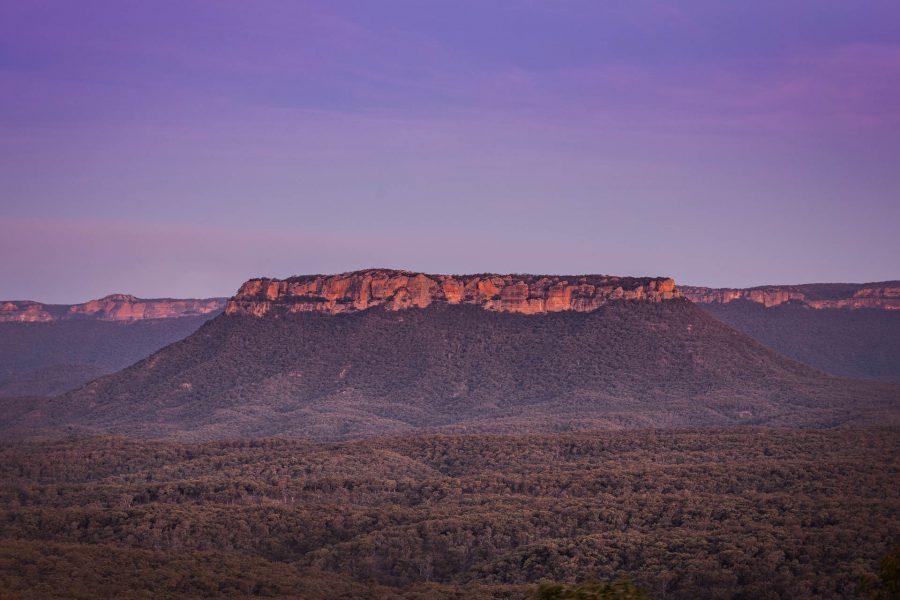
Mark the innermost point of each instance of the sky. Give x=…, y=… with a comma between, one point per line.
x=176, y=149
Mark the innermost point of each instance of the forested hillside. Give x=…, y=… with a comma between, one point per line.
x=465, y=369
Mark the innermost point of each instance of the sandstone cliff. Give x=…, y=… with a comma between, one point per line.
x=883, y=295
x=397, y=290
x=115, y=307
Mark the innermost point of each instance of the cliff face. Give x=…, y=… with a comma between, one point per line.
x=769, y=296
x=884, y=295
x=115, y=307
x=398, y=290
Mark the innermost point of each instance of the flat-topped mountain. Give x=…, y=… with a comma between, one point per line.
x=883, y=295
x=398, y=290
x=847, y=329
x=386, y=352
x=115, y=307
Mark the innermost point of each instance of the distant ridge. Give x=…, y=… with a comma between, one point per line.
x=883, y=295
x=114, y=307
x=846, y=329
x=49, y=349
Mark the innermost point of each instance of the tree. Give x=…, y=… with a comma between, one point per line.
x=620, y=590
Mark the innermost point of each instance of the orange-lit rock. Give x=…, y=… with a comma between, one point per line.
x=25, y=311
x=115, y=307
x=883, y=296
x=453, y=290
x=400, y=290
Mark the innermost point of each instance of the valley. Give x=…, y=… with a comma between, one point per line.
x=713, y=513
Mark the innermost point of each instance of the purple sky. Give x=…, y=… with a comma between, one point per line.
x=179, y=148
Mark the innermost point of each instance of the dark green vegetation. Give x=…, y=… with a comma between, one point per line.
x=621, y=590
x=886, y=585
x=51, y=358
x=461, y=369
x=862, y=343
x=746, y=513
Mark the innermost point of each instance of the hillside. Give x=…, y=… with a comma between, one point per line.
x=462, y=368
x=48, y=349
x=850, y=330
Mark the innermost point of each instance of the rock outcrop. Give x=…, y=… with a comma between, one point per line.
x=115, y=307
x=883, y=295
x=398, y=290
x=29, y=312
x=767, y=296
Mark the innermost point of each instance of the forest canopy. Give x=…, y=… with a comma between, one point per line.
x=749, y=513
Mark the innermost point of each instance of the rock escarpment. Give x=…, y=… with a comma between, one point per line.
x=460, y=367
x=115, y=307
x=398, y=290
x=883, y=295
